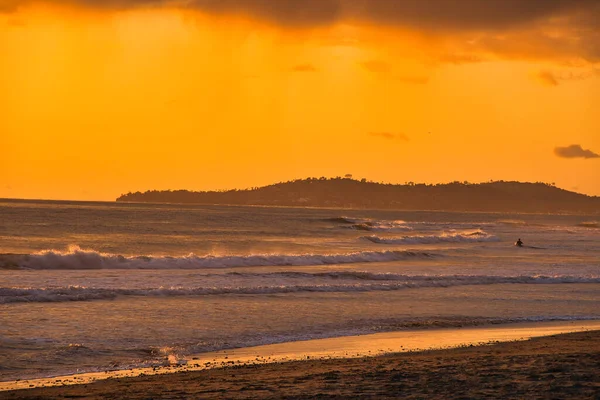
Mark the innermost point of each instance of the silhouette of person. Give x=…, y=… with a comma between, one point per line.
x=519, y=243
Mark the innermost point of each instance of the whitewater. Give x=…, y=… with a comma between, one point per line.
x=97, y=286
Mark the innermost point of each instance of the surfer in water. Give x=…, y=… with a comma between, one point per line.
x=519, y=243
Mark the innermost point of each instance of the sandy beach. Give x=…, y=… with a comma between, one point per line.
x=559, y=366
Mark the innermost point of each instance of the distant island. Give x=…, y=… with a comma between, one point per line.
x=500, y=196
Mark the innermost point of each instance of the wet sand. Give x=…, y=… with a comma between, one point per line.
x=560, y=366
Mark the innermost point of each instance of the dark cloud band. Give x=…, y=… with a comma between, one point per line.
x=283, y=12
x=575, y=20
x=461, y=14
x=430, y=14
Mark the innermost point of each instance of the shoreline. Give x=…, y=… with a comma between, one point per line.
x=394, y=344
x=558, y=366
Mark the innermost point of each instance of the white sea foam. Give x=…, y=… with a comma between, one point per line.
x=76, y=258
x=447, y=237
x=370, y=225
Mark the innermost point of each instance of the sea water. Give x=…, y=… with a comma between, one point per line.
x=98, y=286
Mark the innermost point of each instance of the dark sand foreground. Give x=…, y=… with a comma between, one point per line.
x=556, y=367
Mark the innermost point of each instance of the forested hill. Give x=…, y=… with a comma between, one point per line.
x=349, y=193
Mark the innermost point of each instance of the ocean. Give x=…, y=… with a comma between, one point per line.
x=101, y=286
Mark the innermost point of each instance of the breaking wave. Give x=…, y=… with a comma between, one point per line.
x=343, y=220
x=367, y=224
x=589, y=224
x=382, y=226
x=76, y=258
x=349, y=282
x=451, y=237
x=515, y=222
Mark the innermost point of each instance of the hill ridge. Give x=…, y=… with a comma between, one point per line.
x=508, y=196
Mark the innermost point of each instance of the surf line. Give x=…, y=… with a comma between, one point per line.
x=341, y=347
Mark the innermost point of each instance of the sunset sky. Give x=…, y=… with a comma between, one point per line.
x=99, y=98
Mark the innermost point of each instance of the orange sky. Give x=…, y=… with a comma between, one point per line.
x=198, y=95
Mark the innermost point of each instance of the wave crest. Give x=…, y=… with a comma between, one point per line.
x=76, y=258
x=382, y=226
x=516, y=222
x=449, y=237
x=349, y=282
x=589, y=224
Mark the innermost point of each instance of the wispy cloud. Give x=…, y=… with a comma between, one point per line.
x=390, y=136
x=415, y=80
x=547, y=78
x=14, y=21
x=304, y=68
x=385, y=69
x=376, y=66
x=554, y=78
x=459, y=58
x=575, y=151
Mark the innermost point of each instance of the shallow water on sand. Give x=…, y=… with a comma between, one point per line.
x=376, y=344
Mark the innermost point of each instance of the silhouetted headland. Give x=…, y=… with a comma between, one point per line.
x=498, y=196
